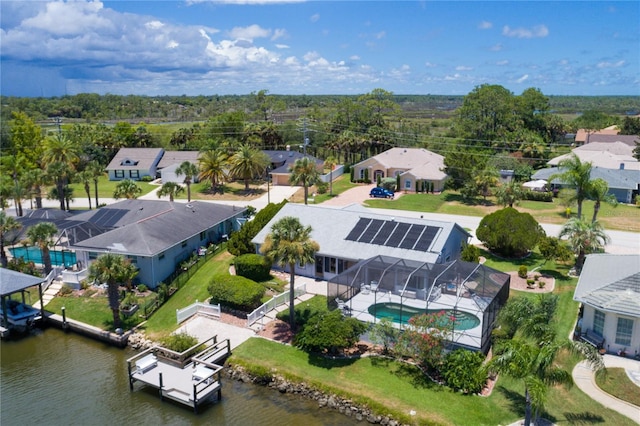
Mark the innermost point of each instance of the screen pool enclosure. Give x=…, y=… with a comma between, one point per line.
x=470, y=295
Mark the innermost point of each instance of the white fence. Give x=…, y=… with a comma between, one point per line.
x=198, y=308
x=280, y=299
x=55, y=271
x=74, y=278
x=337, y=172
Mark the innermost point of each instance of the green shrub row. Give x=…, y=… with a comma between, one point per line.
x=235, y=292
x=253, y=266
x=240, y=241
x=538, y=196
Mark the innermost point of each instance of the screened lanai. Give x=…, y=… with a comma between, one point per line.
x=470, y=294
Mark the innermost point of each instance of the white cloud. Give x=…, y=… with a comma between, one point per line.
x=249, y=33
x=523, y=79
x=502, y=63
x=537, y=31
x=485, y=25
x=315, y=17
x=430, y=65
x=279, y=33
x=154, y=25
x=75, y=18
x=282, y=46
x=463, y=68
x=607, y=64
x=354, y=57
x=496, y=47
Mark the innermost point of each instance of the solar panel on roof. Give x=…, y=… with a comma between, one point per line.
x=385, y=232
x=398, y=235
x=412, y=236
x=371, y=231
x=357, y=230
x=425, y=240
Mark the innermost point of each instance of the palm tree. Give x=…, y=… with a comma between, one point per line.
x=113, y=270
x=85, y=177
x=63, y=152
x=305, y=172
x=584, y=237
x=289, y=243
x=36, y=179
x=41, y=235
x=213, y=165
x=170, y=189
x=599, y=192
x=59, y=172
x=247, y=163
x=331, y=163
x=97, y=171
x=510, y=193
x=7, y=224
x=486, y=179
x=189, y=170
x=127, y=189
x=577, y=175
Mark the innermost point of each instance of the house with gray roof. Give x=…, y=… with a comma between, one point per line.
x=351, y=234
x=282, y=162
x=419, y=169
x=171, y=160
x=623, y=184
x=157, y=236
x=609, y=291
x=134, y=163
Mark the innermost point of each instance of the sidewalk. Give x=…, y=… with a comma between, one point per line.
x=583, y=377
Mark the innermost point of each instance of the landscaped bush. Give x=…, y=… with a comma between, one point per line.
x=462, y=371
x=146, y=179
x=329, y=332
x=253, y=266
x=538, y=196
x=509, y=232
x=523, y=271
x=304, y=311
x=470, y=253
x=179, y=342
x=235, y=292
x=65, y=290
x=142, y=288
x=240, y=241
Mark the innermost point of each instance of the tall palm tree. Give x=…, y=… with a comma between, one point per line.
x=248, y=163
x=41, y=235
x=111, y=269
x=36, y=179
x=577, y=175
x=59, y=172
x=127, y=189
x=7, y=224
x=63, y=152
x=289, y=243
x=86, y=177
x=584, y=237
x=189, y=170
x=509, y=193
x=331, y=163
x=304, y=172
x=213, y=164
x=599, y=192
x=97, y=171
x=170, y=189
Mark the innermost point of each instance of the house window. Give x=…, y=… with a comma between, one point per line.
x=330, y=264
x=598, y=322
x=134, y=173
x=361, y=173
x=407, y=184
x=340, y=265
x=184, y=243
x=119, y=173
x=623, y=331
x=202, y=235
x=161, y=256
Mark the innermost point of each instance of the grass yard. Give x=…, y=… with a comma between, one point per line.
x=105, y=189
x=623, y=217
x=232, y=191
x=617, y=383
x=340, y=185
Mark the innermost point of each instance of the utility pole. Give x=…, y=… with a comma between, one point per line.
x=58, y=121
x=306, y=139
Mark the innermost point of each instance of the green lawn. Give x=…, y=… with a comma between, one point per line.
x=105, y=189
x=340, y=185
x=617, y=383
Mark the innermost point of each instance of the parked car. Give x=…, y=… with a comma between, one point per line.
x=379, y=192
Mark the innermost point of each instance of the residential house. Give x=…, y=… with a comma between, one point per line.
x=607, y=155
x=171, y=160
x=586, y=136
x=351, y=234
x=282, y=162
x=134, y=163
x=157, y=236
x=609, y=291
x=420, y=170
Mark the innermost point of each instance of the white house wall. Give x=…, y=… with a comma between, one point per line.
x=610, y=328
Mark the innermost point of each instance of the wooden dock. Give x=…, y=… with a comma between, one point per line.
x=189, y=380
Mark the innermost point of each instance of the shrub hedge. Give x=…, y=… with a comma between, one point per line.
x=253, y=266
x=235, y=292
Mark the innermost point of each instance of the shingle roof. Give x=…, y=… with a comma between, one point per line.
x=289, y=157
x=617, y=179
x=331, y=227
x=603, y=158
x=148, y=227
x=611, y=283
x=143, y=156
x=410, y=158
x=178, y=157
x=13, y=281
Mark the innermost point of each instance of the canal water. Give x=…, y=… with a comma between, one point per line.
x=58, y=378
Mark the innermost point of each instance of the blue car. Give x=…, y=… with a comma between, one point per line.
x=379, y=192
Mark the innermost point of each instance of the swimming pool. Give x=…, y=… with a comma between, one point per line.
x=33, y=254
x=402, y=313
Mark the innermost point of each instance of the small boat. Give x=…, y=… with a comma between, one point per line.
x=20, y=314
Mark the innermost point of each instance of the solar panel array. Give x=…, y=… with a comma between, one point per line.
x=393, y=234
x=108, y=217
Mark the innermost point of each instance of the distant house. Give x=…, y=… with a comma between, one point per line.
x=586, y=136
x=134, y=163
x=607, y=155
x=609, y=291
x=171, y=160
x=351, y=234
x=156, y=235
x=419, y=169
x=281, y=163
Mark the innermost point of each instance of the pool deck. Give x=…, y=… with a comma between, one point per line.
x=360, y=303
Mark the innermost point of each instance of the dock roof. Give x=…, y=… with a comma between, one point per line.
x=13, y=281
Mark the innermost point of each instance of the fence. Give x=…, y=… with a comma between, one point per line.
x=198, y=308
x=55, y=271
x=337, y=172
x=280, y=299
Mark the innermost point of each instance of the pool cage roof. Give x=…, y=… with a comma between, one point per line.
x=380, y=283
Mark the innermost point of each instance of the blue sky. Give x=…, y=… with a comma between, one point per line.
x=295, y=47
